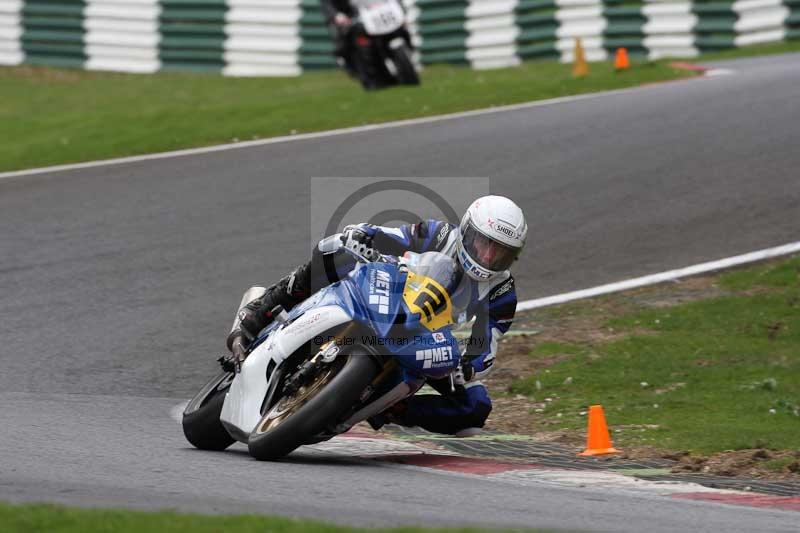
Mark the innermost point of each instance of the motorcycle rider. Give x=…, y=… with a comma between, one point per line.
x=338, y=15
x=489, y=239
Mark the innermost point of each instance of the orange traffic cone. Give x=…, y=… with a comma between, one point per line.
x=598, y=441
x=621, y=61
x=580, y=68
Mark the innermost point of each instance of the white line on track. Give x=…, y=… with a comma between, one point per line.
x=719, y=72
x=661, y=277
x=330, y=133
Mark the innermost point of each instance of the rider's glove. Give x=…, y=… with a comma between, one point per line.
x=237, y=344
x=340, y=19
x=238, y=347
x=358, y=240
x=464, y=373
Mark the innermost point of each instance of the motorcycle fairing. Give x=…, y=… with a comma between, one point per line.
x=371, y=295
x=377, y=290
x=242, y=408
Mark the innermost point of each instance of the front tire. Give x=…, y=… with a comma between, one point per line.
x=296, y=419
x=406, y=71
x=201, y=424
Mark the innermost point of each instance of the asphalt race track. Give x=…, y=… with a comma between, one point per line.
x=118, y=284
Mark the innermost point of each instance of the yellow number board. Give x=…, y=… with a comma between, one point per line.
x=425, y=296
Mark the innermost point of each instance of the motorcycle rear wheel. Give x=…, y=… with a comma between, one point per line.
x=201, y=424
x=296, y=419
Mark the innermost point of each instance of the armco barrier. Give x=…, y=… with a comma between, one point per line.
x=286, y=37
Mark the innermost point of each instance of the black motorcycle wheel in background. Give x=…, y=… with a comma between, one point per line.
x=201, y=424
x=406, y=71
x=295, y=419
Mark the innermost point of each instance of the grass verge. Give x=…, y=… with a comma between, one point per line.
x=782, y=47
x=58, y=519
x=52, y=116
x=706, y=365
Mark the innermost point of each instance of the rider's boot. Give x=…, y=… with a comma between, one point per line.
x=392, y=415
x=258, y=314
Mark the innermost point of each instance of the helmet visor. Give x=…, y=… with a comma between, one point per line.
x=486, y=251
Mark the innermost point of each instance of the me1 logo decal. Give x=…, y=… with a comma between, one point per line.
x=435, y=357
x=379, y=290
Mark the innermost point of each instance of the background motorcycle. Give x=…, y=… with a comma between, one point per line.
x=349, y=352
x=380, y=45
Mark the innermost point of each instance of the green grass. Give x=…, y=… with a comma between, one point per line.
x=705, y=376
x=58, y=519
x=51, y=116
x=779, y=465
x=784, y=275
x=782, y=47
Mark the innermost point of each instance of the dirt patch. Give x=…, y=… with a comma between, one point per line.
x=677, y=292
x=754, y=463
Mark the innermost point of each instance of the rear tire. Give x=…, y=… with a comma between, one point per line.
x=406, y=71
x=274, y=437
x=201, y=424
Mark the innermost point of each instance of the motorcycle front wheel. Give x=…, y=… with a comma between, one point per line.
x=406, y=71
x=298, y=417
x=201, y=424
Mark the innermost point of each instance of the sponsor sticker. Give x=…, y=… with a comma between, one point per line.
x=305, y=321
x=504, y=288
x=442, y=234
x=379, y=291
x=505, y=230
x=435, y=357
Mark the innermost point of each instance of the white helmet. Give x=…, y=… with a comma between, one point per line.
x=493, y=232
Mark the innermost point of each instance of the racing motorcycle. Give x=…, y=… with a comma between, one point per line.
x=347, y=353
x=381, y=45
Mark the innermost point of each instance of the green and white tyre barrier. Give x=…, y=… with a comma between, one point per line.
x=668, y=30
x=492, y=34
x=122, y=35
x=760, y=21
x=287, y=37
x=792, y=22
x=53, y=33
x=582, y=19
x=442, y=28
x=11, y=32
x=262, y=38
